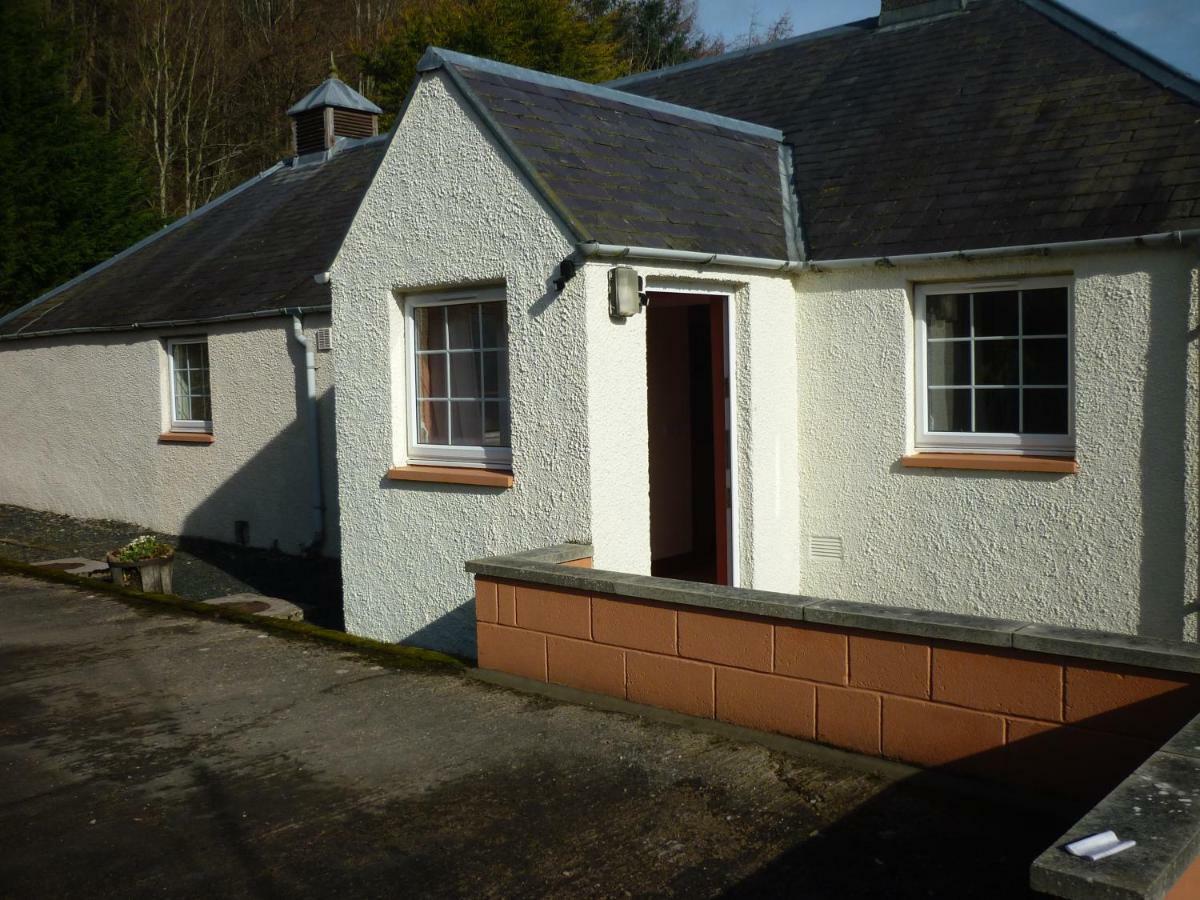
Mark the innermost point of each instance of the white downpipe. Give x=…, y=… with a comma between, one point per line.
x=314, y=435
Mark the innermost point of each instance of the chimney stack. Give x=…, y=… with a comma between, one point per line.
x=331, y=111
x=894, y=12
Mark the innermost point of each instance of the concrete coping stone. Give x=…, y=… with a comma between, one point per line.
x=544, y=566
x=1159, y=807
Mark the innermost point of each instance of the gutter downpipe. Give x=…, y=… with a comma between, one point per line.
x=166, y=323
x=593, y=250
x=314, y=434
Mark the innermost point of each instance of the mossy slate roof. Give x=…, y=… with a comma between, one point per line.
x=994, y=126
x=626, y=174
x=256, y=251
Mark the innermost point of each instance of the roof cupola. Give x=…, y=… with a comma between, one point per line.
x=331, y=111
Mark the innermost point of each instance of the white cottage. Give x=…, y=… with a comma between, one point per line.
x=184, y=384
x=917, y=326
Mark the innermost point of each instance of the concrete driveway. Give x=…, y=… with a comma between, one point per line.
x=156, y=754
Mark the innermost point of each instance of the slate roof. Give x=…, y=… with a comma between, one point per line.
x=1010, y=123
x=624, y=171
x=254, y=252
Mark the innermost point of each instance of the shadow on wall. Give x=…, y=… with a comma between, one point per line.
x=272, y=489
x=452, y=631
x=938, y=834
x=1163, y=445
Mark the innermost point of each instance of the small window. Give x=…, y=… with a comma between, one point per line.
x=994, y=367
x=191, y=398
x=459, y=408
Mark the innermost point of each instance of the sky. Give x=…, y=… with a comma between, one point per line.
x=1170, y=29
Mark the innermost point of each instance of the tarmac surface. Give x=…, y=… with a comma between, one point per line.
x=153, y=754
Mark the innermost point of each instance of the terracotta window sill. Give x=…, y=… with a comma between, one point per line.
x=994, y=462
x=501, y=478
x=185, y=437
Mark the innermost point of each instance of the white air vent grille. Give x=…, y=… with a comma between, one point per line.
x=820, y=547
x=324, y=339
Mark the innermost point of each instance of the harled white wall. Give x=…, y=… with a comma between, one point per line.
x=80, y=418
x=1113, y=547
x=445, y=210
x=448, y=209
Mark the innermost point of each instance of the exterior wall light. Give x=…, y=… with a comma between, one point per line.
x=625, y=294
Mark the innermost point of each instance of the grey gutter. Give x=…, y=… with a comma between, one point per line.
x=594, y=250
x=435, y=57
x=128, y=251
x=1157, y=70
x=1173, y=238
x=168, y=323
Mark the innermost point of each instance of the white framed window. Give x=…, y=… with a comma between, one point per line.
x=458, y=410
x=995, y=367
x=191, y=396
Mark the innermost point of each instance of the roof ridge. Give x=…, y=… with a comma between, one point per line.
x=135, y=247
x=1119, y=48
x=436, y=57
x=847, y=28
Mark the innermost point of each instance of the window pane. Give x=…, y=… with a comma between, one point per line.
x=997, y=410
x=1045, y=311
x=464, y=375
x=200, y=386
x=996, y=362
x=431, y=327
x=201, y=409
x=949, y=410
x=179, y=355
x=495, y=374
x=466, y=418
x=464, y=325
x=183, y=389
x=949, y=362
x=495, y=424
x=996, y=314
x=948, y=315
x=1046, y=361
x=495, y=328
x=1046, y=411
x=432, y=422
x=431, y=375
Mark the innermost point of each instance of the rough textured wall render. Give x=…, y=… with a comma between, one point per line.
x=447, y=210
x=1111, y=548
x=80, y=419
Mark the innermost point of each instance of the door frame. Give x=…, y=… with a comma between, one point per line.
x=728, y=305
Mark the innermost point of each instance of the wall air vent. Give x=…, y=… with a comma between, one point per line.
x=324, y=339
x=821, y=547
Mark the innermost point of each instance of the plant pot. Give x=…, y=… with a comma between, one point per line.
x=147, y=575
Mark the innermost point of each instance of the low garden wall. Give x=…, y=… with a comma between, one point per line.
x=1052, y=710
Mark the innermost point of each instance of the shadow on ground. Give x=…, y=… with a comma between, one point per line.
x=150, y=754
x=203, y=569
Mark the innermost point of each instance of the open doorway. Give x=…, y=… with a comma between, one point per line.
x=687, y=406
